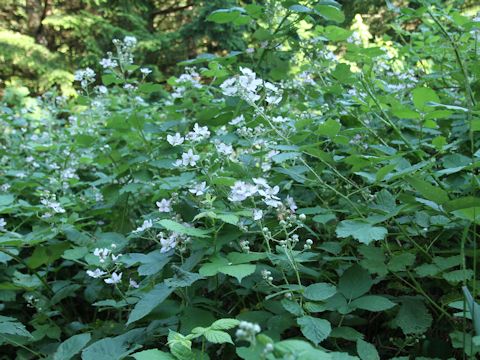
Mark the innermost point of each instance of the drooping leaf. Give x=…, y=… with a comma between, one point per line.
x=314, y=329
x=152, y=354
x=367, y=351
x=72, y=346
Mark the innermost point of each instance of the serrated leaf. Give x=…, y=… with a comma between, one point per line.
x=224, y=324
x=423, y=95
x=179, y=346
x=413, y=317
x=331, y=13
x=242, y=258
x=182, y=229
x=329, y=128
x=152, y=354
x=367, y=351
x=360, y=230
x=401, y=262
x=354, y=282
x=428, y=191
x=218, y=337
x=13, y=328
x=319, y=291
x=72, y=346
x=314, y=329
x=238, y=271
x=372, y=303
x=149, y=301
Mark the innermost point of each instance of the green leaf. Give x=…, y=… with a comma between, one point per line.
x=423, y=95
x=284, y=156
x=114, y=348
x=182, y=278
x=314, y=329
x=293, y=307
x=9, y=326
x=224, y=324
x=373, y=303
x=360, y=230
x=180, y=346
x=182, y=229
x=335, y=33
x=72, y=346
x=149, y=302
x=218, y=337
x=413, y=317
x=401, y=262
x=242, y=258
x=347, y=333
x=457, y=276
x=319, y=291
x=223, y=16
x=428, y=191
x=354, y=282
x=329, y=128
x=238, y=271
x=75, y=253
x=6, y=199
x=367, y=351
x=374, y=259
x=300, y=9
x=331, y=13
x=212, y=268
x=152, y=354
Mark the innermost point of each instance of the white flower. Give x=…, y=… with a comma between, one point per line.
x=199, y=133
x=291, y=203
x=145, y=71
x=238, y=120
x=199, y=189
x=108, y=63
x=229, y=87
x=85, y=76
x=224, y=149
x=130, y=41
x=175, y=140
x=189, y=158
x=147, y=224
x=114, y=279
x=269, y=193
x=116, y=257
x=5, y=187
x=257, y=214
x=279, y=119
x=241, y=191
x=245, y=85
x=274, y=95
x=168, y=243
x=133, y=284
x=102, y=254
x=96, y=274
x=260, y=182
x=164, y=205
x=2, y=224
x=102, y=89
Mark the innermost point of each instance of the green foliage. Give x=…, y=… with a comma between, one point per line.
x=312, y=197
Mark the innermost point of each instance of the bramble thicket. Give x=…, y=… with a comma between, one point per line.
x=308, y=191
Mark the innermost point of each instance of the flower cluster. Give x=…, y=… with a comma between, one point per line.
x=247, y=331
x=85, y=77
